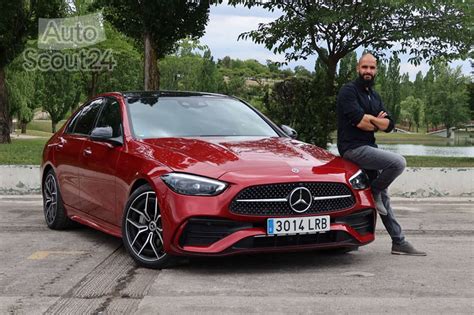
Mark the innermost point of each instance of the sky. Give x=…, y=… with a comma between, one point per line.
x=227, y=22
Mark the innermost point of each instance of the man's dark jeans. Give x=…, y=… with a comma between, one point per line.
x=390, y=166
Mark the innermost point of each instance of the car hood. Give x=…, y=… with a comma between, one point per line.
x=246, y=156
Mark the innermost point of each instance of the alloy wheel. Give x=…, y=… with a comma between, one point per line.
x=50, y=193
x=143, y=228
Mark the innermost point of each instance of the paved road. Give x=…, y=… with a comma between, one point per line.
x=83, y=271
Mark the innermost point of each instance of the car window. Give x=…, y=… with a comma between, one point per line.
x=196, y=116
x=72, y=122
x=85, y=121
x=110, y=117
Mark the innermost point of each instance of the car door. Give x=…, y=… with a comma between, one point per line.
x=68, y=151
x=99, y=165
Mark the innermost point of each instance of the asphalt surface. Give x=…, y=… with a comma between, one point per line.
x=82, y=271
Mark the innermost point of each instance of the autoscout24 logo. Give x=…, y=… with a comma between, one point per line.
x=62, y=45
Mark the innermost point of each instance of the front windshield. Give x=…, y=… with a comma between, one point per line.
x=194, y=116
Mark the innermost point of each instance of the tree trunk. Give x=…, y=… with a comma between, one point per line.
x=23, y=127
x=53, y=126
x=331, y=71
x=4, y=114
x=92, y=88
x=151, y=75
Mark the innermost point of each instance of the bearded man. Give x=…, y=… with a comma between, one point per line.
x=361, y=113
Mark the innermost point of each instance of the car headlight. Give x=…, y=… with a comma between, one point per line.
x=359, y=180
x=193, y=185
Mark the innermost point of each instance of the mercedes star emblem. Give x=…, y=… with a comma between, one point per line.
x=300, y=199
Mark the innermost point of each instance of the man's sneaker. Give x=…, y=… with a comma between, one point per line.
x=379, y=206
x=406, y=249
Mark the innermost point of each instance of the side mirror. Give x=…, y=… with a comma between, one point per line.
x=289, y=131
x=105, y=134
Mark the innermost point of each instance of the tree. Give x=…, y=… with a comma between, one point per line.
x=18, y=22
x=406, y=86
x=347, y=69
x=57, y=92
x=432, y=116
x=412, y=111
x=301, y=72
x=190, y=68
x=126, y=66
x=390, y=91
x=423, y=28
x=297, y=102
x=156, y=26
x=449, y=95
x=21, y=94
x=471, y=98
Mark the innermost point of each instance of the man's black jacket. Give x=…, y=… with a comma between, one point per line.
x=353, y=101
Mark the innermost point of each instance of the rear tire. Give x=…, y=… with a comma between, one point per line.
x=53, y=206
x=142, y=230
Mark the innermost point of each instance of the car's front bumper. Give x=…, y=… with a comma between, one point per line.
x=196, y=225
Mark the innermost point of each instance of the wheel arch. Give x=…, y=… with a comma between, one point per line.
x=46, y=169
x=139, y=182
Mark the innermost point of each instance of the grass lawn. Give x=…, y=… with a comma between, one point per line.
x=29, y=151
x=36, y=133
x=24, y=151
x=43, y=125
x=403, y=138
x=439, y=161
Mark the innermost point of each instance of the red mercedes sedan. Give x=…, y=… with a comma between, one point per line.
x=183, y=173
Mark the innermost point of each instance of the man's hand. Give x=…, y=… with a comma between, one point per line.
x=380, y=122
x=366, y=123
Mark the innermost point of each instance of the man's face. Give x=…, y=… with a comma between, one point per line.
x=367, y=68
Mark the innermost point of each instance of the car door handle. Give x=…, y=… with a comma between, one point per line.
x=87, y=151
x=60, y=144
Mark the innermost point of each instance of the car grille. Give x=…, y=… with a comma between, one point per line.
x=266, y=200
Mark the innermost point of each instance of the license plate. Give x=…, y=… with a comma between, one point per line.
x=300, y=225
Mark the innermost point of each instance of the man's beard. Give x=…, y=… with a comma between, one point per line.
x=366, y=83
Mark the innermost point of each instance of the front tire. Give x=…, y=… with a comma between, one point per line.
x=53, y=206
x=142, y=230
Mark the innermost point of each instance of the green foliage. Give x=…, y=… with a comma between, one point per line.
x=412, y=110
x=58, y=92
x=449, y=99
x=347, y=69
x=18, y=22
x=21, y=92
x=406, y=86
x=126, y=75
x=157, y=25
x=302, y=104
x=390, y=89
x=470, y=88
x=191, y=68
x=167, y=21
x=302, y=72
x=345, y=26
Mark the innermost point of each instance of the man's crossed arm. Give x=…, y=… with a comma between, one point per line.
x=372, y=123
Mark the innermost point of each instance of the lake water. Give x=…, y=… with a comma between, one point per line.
x=422, y=150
